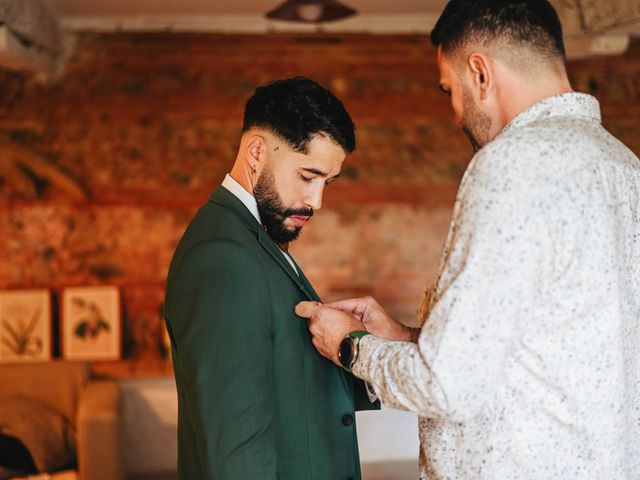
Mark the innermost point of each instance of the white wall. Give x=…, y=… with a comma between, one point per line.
x=150, y=410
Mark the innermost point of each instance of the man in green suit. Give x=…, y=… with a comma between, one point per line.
x=256, y=401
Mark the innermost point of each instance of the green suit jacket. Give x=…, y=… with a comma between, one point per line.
x=255, y=399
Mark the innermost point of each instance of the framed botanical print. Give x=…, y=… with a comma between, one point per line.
x=25, y=326
x=91, y=323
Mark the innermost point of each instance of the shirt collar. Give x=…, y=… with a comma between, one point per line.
x=565, y=105
x=245, y=197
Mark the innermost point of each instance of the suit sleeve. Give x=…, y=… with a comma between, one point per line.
x=222, y=330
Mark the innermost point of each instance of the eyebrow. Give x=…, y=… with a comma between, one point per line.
x=315, y=171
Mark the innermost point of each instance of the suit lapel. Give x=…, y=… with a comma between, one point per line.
x=272, y=249
x=309, y=290
x=346, y=379
x=224, y=197
x=304, y=285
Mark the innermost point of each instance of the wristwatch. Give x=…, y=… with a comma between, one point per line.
x=348, y=349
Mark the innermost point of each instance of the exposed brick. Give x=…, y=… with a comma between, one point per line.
x=128, y=142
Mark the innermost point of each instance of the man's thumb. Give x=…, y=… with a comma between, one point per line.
x=306, y=309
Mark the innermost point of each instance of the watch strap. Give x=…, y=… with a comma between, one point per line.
x=350, y=344
x=358, y=333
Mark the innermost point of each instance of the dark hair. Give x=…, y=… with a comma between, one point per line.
x=297, y=109
x=528, y=23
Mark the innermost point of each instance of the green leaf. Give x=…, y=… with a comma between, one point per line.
x=34, y=322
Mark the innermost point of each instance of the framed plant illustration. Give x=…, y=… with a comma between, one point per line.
x=25, y=326
x=91, y=323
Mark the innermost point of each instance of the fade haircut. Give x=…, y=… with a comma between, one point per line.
x=297, y=110
x=532, y=24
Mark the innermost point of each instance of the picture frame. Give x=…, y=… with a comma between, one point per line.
x=25, y=326
x=91, y=323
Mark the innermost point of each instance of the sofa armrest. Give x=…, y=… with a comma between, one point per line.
x=98, y=434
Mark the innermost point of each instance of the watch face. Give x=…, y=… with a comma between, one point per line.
x=345, y=352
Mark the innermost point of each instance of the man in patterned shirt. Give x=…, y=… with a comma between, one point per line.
x=528, y=363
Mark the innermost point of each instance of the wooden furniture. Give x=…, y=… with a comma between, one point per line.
x=92, y=406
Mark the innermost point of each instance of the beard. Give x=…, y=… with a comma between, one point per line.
x=476, y=124
x=272, y=211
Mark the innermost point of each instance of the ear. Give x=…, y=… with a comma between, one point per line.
x=481, y=74
x=256, y=152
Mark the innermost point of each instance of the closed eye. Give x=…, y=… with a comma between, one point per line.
x=306, y=179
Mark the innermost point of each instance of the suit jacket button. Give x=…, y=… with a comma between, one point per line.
x=347, y=420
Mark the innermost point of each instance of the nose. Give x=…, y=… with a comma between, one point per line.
x=314, y=197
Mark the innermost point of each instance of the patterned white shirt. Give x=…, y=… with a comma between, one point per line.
x=528, y=365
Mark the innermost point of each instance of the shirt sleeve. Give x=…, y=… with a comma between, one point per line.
x=496, y=256
x=222, y=329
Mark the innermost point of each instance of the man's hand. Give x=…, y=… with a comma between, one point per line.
x=374, y=318
x=328, y=327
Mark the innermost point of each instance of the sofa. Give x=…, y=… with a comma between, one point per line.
x=90, y=406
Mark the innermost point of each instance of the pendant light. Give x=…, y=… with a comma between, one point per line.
x=310, y=11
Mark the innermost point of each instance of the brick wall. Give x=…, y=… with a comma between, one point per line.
x=102, y=167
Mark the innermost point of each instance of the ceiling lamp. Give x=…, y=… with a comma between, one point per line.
x=310, y=11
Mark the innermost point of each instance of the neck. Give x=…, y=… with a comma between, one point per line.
x=243, y=175
x=521, y=93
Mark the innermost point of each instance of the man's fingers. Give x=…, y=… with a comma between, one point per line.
x=314, y=328
x=306, y=309
x=350, y=305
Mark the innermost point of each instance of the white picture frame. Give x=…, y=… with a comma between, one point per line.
x=91, y=323
x=25, y=326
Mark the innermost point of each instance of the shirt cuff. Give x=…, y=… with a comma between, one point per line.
x=371, y=392
x=366, y=348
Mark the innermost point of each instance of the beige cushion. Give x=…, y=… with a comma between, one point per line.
x=66, y=475
x=55, y=384
x=44, y=431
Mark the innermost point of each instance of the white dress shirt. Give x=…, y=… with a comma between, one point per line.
x=528, y=365
x=249, y=201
